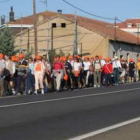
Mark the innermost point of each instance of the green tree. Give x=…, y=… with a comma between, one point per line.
x=52, y=55
x=6, y=42
x=29, y=53
x=61, y=53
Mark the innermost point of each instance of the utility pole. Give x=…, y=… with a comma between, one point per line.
x=21, y=31
x=75, y=38
x=35, y=28
x=138, y=34
x=115, y=29
x=81, y=50
x=52, y=38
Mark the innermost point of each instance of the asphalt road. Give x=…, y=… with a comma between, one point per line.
x=61, y=116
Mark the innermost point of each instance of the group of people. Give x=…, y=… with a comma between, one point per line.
x=20, y=76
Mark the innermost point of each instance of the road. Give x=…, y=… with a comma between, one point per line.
x=65, y=115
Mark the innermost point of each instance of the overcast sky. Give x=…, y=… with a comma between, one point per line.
x=123, y=9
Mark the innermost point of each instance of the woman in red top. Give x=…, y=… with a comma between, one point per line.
x=58, y=72
x=108, y=71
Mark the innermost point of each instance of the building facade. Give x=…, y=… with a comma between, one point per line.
x=65, y=31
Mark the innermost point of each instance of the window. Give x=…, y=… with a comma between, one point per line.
x=138, y=25
x=121, y=56
x=63, y=25
x=53, y=25
x=129, y=25
x=114, y=54
x=127, y=56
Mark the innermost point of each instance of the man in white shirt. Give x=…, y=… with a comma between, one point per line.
x=77, y=66
x=10, y=71
x=2, y=67
x=87, y=65
x=116, y=66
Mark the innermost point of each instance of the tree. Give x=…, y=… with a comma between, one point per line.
x=61, y=53
x=29, y=53
x=6, y=42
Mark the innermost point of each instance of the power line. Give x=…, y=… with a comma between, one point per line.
x=121, y=21
x=4, y=1
x=87, y=12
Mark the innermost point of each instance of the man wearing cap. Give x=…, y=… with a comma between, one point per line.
x=39, y=71
x=2, y=67
x=58, y=72
x=21, y=75
x=131, y=70
x=116, y=66
x=68, y=70
x=124, y=68
x=11, y=69
x=97, y=71
x=138, y=68
x=86, y=73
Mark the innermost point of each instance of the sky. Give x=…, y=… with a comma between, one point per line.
x=122, y=9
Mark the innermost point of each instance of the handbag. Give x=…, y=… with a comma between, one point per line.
x=120, y=70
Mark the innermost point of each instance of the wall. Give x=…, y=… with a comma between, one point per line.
x=123, y=49
x=90, y=42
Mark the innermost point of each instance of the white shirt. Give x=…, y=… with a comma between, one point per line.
x=77, y=66
x=13, y=68
x=116, y=64
x=86, y=65
x=72, y=63
x=102, y=62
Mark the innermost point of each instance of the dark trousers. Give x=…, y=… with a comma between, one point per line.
x=116, y=75
x=21, y=82
x=139, y=74
x=30, y=83
x=108, y=80
x=1, y=88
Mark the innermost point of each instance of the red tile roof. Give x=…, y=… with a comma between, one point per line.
x=100, y=27
x=105, y=29
x=30, y=19
x=124, y=24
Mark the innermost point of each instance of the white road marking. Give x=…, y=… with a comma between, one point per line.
x=67, y=98
x=97, y=132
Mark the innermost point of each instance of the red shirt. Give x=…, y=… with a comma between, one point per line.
x=58, y=65
x=108, y=68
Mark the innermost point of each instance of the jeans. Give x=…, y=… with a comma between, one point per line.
x=108, y=80
x=116, y=75
x=21, y=80
x=30, y=83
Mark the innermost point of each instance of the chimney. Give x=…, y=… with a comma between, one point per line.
x=3, y=20
x=59, y=11
x=11, y=15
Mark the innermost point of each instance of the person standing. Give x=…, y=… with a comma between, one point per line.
x=86, y=72
x=21, y=75
x=124, y=69
x=108, y=71
x=30, y=84
x=116, y=66
x=77, y=67
x=68, y=70
x=131, y=70
x=39, y=71
x=9, y=80
x=58, y=72
x=97, y=71
x=138, y=68
x=2, y=67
